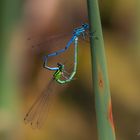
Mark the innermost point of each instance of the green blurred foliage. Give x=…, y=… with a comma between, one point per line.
x=72, y=115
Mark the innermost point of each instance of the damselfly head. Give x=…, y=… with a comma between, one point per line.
x=85, y=26
x=61, y=66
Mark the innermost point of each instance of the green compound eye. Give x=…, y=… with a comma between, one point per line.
x=60, y=66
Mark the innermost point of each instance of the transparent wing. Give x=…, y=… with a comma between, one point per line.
x=39, y=42
x=56, y=38
x=38, y=111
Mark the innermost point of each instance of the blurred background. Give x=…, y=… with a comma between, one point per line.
x=72, y=115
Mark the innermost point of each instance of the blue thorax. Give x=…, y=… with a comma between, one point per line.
x=78, y=31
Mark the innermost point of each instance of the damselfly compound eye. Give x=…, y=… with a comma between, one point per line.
x=85, y=26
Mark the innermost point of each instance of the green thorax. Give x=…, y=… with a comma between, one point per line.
x=57, y=75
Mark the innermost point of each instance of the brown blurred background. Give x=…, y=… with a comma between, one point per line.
x=72, y=114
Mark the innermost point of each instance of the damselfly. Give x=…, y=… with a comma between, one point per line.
x=37, y=112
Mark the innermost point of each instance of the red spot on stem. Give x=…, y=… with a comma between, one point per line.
x=110, y=116
x=101, y=82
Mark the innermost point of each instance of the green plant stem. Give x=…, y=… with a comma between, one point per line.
x=105, y=123
x=9, y=11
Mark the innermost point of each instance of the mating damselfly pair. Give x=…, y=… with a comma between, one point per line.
x=36, y=113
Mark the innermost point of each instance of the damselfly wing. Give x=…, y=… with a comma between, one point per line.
x=39, y=110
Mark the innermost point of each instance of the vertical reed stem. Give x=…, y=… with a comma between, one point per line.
x=105, y=123
x=9, y=11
